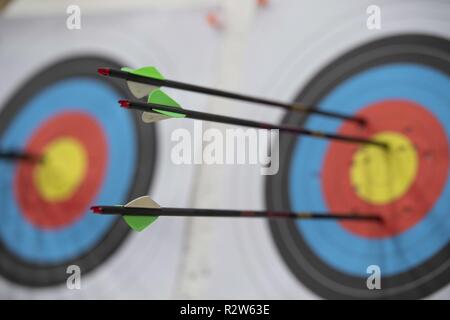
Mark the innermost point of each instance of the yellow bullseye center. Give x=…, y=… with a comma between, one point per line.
x=62, y=171
x=382, y=176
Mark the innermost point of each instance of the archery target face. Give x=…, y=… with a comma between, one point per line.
x=52, y=88
x=66, y=114
x=270, y=255
x=401, y=86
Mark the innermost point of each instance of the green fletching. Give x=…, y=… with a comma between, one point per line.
x=156, y=96
x=138, y=223
x=138, y=89
x=159, y=97
x=149, y=72
x=127, y=69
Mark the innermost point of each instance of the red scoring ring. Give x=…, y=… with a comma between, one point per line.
x=51, y=215
x=427, y=135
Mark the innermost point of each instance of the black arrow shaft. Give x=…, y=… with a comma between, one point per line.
x=230, y=95
x=11, y=155
x=190, y=212
x=250, y=123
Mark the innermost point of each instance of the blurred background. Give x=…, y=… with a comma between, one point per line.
x=279, y=49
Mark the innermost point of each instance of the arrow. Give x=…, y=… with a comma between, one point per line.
x=156, y=111
x=143, y=211
x=144, y=80
x=12, y=155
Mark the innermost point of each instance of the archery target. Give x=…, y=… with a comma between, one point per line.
x=412, y=43
x=55, y=102
x=66, y=115
x=403, y=93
